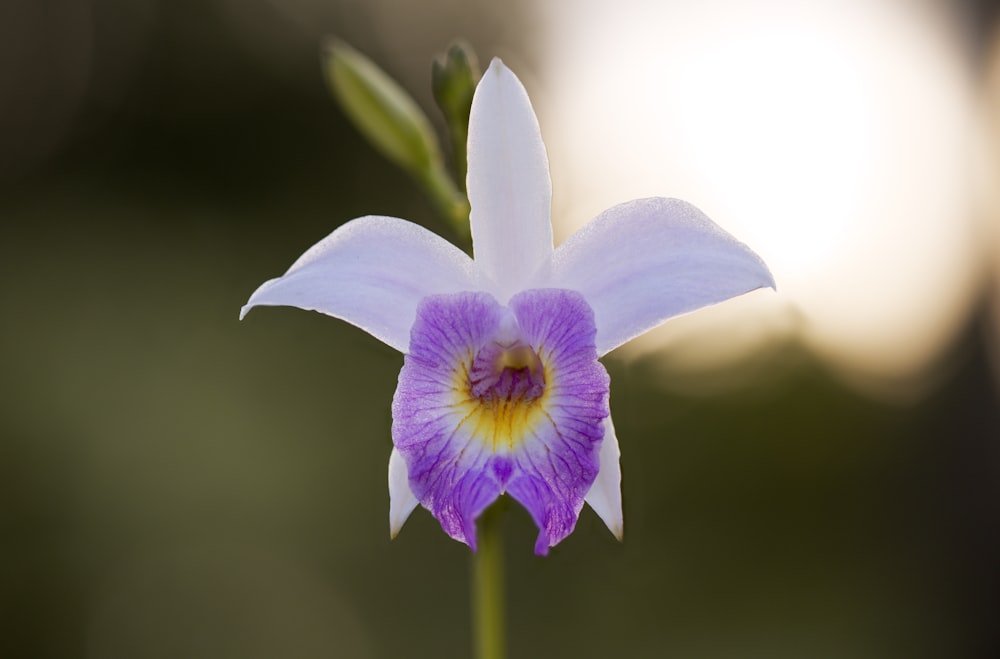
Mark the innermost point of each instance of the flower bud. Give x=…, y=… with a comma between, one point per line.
x=381, y=110
x=454, y=79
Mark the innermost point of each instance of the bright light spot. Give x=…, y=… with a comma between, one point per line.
x=779, y=121
x=830, y=136
x=987, y=188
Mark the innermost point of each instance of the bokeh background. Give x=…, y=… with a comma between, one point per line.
x=808, y=473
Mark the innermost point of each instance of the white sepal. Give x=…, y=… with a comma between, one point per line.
x=371, y=272
x=605, y=495
x=401, y=498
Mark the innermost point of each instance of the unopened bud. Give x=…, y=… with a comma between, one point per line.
x=454, y=79
x=381, y=110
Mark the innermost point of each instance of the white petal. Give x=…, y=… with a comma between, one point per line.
x=509, y=187
x=646, y=260
x=401, y=499
x=371, y=272
x=605, y=495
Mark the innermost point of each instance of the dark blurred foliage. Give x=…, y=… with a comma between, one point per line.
x=174, y=483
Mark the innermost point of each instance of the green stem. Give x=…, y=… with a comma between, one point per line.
x=487, y=587
x=451, y=202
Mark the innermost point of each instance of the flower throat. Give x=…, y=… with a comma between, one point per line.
x=506, y=385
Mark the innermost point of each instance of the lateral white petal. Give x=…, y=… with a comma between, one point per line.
x=401, y=498
x=605, y=495
x=644, y=261
x=508, y=183
x=371, y=272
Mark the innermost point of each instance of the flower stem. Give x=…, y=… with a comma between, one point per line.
x=451, y=202
x=487, y=587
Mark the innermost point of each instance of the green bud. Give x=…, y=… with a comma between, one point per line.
x=454, y=78
x=396, y=126
x=381, y=110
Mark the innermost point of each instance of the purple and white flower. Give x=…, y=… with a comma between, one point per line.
x=501, y=389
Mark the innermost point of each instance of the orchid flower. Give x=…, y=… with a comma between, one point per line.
x=501, y=390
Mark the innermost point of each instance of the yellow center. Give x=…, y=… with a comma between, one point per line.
x=503, y=416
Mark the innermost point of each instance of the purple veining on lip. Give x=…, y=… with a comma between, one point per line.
x=493, y=400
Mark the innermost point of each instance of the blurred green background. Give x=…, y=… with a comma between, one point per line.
x=175, y=483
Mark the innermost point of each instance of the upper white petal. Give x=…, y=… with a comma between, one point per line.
x=401, y=498
x=605, y=495
x=371, y=272
x=509, y=187
x=646, y=260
